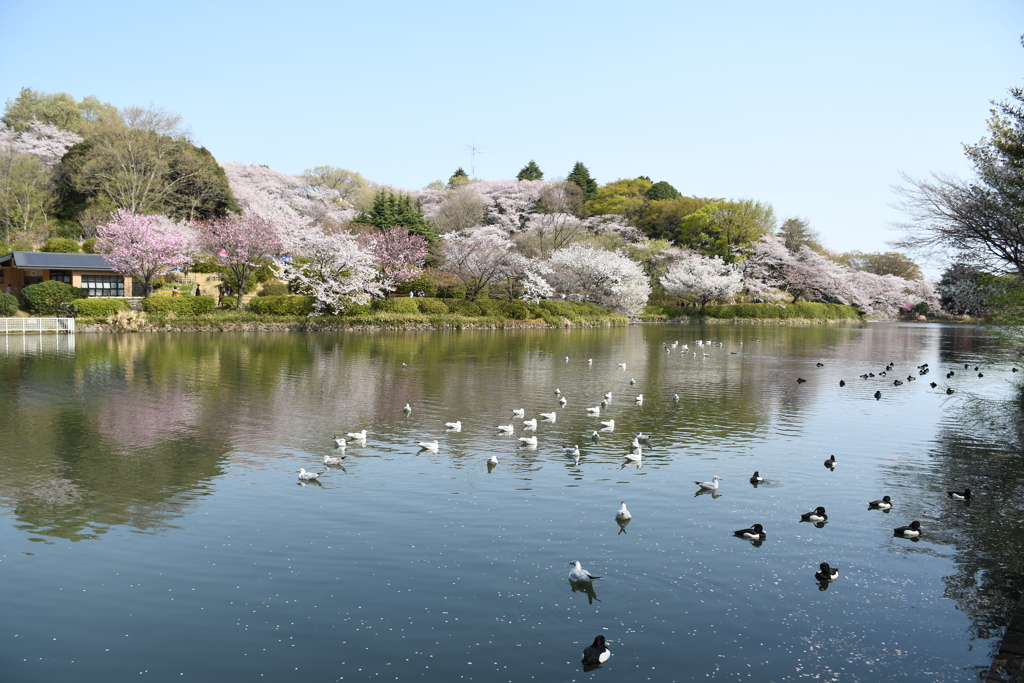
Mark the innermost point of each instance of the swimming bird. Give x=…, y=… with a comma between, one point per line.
x=632, y=381
x=531, y=423
x=428, y=445
x=507, y=429
x=567, y=359
x=333, y=460
x=956, y=495
x=800, y=380
x=307, y=476
x=571, y=450
x=530, y=441
x=580, y=575
x=594, y=410
x=675, y=397
x=595, y=436
x=557, y=391
x=407, y=409
x=757, y=478
x=548, y=416
x=518, y=412
x=404, y=366
x=884, y=504
x=608, y=424
x=754, y=533
x=635, y=443
x=622, y=366
x=604, y=403
x=827, y=573
x=815, y=515
x=608, y=396
x=643, y=437
x=831, y=462
x=596, y=654
x=911, y=531
x=821, y=365
x=562, y=401
x=709, y=485
x=949, y=390
x=932, y=385
x=339, y=442
x=639, y=399
x=590, y=361
x=842, y=383
x=636, y=455
x=623, y=513
x=454, y=426
x=492, y=461
x=358, y=436
x=878, y=395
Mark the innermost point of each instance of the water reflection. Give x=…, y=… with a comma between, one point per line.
x=585, y=587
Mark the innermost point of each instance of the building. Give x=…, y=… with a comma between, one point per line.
x=90, y=272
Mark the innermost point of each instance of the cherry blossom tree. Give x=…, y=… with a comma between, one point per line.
x=399, y=255
x=702, y=279
x=334, y=269
x=143, y=246
x=478, y=259
x=240, y=244
x=604, y=277
x=47, y=142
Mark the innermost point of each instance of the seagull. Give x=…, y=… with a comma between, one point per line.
x=635, y=443
x=492, y=461
x=827, y=573
x=518, y=412
x=639, y=399
x=428, y=445
x=911, y=531
x=404, y=366
x=454, y=426
x=339, y=442
x=884, y=504
x=530, y=441
x=407, y=409
x=307, y=476
x=608, y=424
x=604, y=403
x=557, y=391
x=596, y=654
x=531, y=423
x=815, y=515
x=580, y=575
x=508, y=429
x=358, y=436
x=567, y=359
x=643, y=437
x=622, y=366
x=675, y=397
x=595, y=436
x=595, y=410
x=548, y=416
x=608, y=396
x=623, y=513
x=635, y=456
x=562, y=401
x=590, y=361
x=709, y=485
x=332, y=460
x=754, y=533
x=632, y=381
x=571, y=450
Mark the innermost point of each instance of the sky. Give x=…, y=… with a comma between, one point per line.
x=814, y=107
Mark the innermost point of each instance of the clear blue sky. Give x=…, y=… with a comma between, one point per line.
x=813, y=106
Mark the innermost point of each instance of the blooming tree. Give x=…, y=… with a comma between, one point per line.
x=478, y=259
x=241, y=244
x=399, y=255
x=143, y=246
x=604, y=277
x=334, y=269
x=48, y=143
x=702, y=279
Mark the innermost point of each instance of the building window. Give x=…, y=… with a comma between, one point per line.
x=103, y=285
x=61, y=276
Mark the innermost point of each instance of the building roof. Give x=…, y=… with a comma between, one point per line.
x=54, y=261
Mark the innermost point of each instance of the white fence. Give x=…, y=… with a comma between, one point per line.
x=36, y=325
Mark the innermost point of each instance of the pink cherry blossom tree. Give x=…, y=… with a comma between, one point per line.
x=607, y=278
x=47, y=142
x=478, y=259
x=240, y=244
x=334, y=269
x=702, y=279
x=143, y=246
x=399, y=255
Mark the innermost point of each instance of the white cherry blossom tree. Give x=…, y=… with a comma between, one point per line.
x=702, y=279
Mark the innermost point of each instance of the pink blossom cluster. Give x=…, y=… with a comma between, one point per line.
x=144, y=246
x=42, y=140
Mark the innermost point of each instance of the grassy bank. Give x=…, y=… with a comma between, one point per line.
x=791, y=313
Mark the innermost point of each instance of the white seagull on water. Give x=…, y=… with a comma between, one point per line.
x=307, y=476
x=507, y=429
x=333, y=460
x=608, y=424
x=454, y=426
x=358, y=436
x=709, y=485
x=518, y=412
x=531, y=423
x=530, y=441
x=428, y=445
x=548, y=416
x=579, y=575
x=339, y=442
x=623, y=513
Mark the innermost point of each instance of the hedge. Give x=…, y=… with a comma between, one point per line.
x=464, y=307
x=800, y=311
x=432, y=306
x=47, y=298
x=403, y=304
x=513, y=310
x=8, y=305
x=282, y=305
x=99, y=308
x=178, y=305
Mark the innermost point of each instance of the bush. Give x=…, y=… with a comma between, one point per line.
x=89, y=246
x=282, y=305
x=61, y=245
x=464, y=307
x=273, y=288
x=8, y=305
x=422, y=283
x=99, y=308
x=800, y=311
x=47, y=298
x=431, y=306
x=178, y=305
x=513, y=310
x=403, y=304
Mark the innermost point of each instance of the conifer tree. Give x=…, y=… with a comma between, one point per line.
x=581, y=177
x=531, y=172
x=460, y=177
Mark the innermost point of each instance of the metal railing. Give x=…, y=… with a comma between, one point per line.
x=37, y=325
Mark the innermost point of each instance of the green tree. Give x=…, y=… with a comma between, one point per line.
x=882, y=263
x=626, y=198
x=581, y=177
x=58, y=109
x=61, y=245
x=26, y=194
x=716, y=229
x=530, y=172
x=661, y=191
x=797, y=233
x=460, y=177
x=391, y=210
x=351, y=187
x=662, y=219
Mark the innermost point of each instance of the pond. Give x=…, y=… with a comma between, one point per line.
x=153, y=526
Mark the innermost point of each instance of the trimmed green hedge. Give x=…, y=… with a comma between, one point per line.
x=282, y=305
x=513, y=310
x=8, y=305
x=178, y=305
x=403, y=304
x=432, y=306
x=47, y=297
x=800, y=311
x=100, y=308
x=464, y=307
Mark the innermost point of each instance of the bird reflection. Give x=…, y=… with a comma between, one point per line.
x=623, y=523
x=708, y=492
x=585, y=587
x=823, y=585
x=310, y=482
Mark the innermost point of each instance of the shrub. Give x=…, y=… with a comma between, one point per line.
x=47, y=298
x=89, y=246
x=178, y=305
x=61, y=245
x=801, y=311
x=403, y=304
x=100, y=308
x=273, y=288
x=513, y=310
x=282, y=305
x=8, y=305
x=431, y=306
x=422, y=283
x=358, y=309
x=464, y=307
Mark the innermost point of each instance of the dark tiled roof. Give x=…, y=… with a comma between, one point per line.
x=41, y=260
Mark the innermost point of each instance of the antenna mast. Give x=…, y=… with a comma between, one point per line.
x=473, y=151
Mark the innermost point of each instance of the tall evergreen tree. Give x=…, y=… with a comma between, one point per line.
x=391, y=210
x=661, y=191
x=460, y=177
x=581, y=177
x=531, y=172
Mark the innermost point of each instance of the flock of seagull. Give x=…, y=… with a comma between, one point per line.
x=596, y=654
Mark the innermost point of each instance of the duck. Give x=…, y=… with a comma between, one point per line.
x=821, y=365
x=709, y=485
x=827, y=573
x=756, y=478
x=531, y=423
x=428, y=446
x=548, y=416
x=623, y=513
x=842, y=382
x=878, y=395
x=754, y=533
x=579, y=575
x=333, y=460
x=831, y=462
x=884, y=504
x=913, y=530
x=815, y=515
x=571, y=450
x=454, y=426
x=957, y=495
x=596, y=654
x=518, y=412
x=608, y=424
x=632, y=381
x=339, y=442
x=949, y=391
x=307, y=476
x=800, y=380
x=530, y=441
x=358, y=436
x=507, y=429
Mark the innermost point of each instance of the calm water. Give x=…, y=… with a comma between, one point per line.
x=152, y=525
